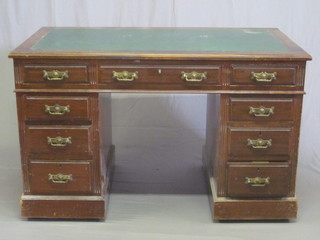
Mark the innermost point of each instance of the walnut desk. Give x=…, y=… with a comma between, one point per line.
x=254, y=80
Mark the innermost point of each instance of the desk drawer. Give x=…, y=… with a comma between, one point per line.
x=60, y=178
x=59, y=142
x=56, y=109
x=261, y=109
x=259, y=143
x=202, y=75
x=266, y=75
x=55, y=74
x=258, y=180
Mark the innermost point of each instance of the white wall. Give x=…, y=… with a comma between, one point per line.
x=179, y=120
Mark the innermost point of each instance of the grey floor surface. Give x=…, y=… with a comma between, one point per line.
x=166, y=201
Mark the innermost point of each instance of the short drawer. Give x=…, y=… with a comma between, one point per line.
x=258, y=180
x=59, y=142
x=261, y=109
x=57, y=109
x=60, y=178
x=262, y=75
x=259, y=143
x=55, y=73
x=192, y=75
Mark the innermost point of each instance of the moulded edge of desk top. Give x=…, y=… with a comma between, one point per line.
x=157, y=91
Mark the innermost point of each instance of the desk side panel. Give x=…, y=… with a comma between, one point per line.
x=106, y=147
x=215, y=140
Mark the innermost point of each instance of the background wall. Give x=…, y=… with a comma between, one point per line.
x=158, y=127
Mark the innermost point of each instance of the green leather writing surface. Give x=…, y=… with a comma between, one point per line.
x=160, y=40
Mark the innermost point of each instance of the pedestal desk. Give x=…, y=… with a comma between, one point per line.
x=254, y=81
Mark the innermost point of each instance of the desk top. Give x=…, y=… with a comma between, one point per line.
x=213, y=43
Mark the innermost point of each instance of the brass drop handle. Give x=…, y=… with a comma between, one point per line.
x=257, y=181
x=261, y=111
x=59, y=178
x=193, y=76
x=263, y=76
x=125, y=76
x=56, y=109
x=259, y=143
x=55, y=75
x=59, y=141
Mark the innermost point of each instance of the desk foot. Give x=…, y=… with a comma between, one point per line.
x=68, y=207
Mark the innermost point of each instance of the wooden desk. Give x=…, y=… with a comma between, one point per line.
x=254, y=80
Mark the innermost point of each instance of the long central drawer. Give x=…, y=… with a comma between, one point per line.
x=159, y=74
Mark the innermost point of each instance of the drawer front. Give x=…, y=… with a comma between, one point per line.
x=262, y=75
x=55, y=74
x=60, y=178
x=59, y=142
x=56, y=108
x=259, y=143
x=250, y=181
x=203, y=75
x=261, y=109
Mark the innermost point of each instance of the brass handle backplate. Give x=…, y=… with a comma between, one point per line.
x=193, y=76
x=59, y=141
x=263, y=76
x=55, y=75
x=125, y=76
x=259, y=143
x=257, y=181
x=59, y=178
x=56, y=109
x=261, y=111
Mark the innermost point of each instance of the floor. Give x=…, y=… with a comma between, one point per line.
x=144, y=206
